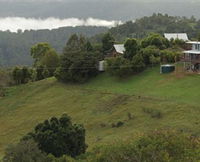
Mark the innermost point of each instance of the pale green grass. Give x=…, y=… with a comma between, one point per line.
x=104, y=100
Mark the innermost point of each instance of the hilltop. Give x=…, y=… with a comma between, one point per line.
x=153, y=101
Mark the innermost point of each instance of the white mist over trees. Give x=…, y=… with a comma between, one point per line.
x=15, y=23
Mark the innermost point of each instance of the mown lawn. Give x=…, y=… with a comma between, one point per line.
x=103, y=101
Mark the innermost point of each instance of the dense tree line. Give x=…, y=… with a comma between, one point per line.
x=142, y=53
x=79, y=61
x=15, y=47
x=158, y=23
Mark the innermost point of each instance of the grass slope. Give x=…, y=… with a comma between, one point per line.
x=103, y=101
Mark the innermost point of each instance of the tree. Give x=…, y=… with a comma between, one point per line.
x=51, y=61
x=155, y=40
x=158, y=146
x=150, y=54
x=22, y=75
x=107, y=42
x=24, y=151
x=78, y=63
x=131, y=47
x=42, y=72
x=119, y=67
x=138, y=64
x=170, y=56
x=58, y=136
x=38, y=51
x=45, y=56
x=17, y=75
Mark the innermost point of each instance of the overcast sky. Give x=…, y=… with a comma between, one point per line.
x=35, y=14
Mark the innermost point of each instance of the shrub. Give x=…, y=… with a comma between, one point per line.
x=25, y=151
x=159, y=146
x=119, y=67
x=22, y=75
x=132, y=47
x=59, y=137
x=137, y=63
x=170, y=56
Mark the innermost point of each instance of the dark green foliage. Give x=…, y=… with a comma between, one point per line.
x=42, y=72
x=78, y=62
x=38, y=51
x=107, y=42
x=159, y=146
x=157, y=23
x=151, y=55
x=131, y=47
x=119, y=67
x=58, y=136
x=137, y=63
x=44, y=56
x=25, y=151
x=170, y=55
x=155, y=40
x=22, y=75
x=15, y=47
x=51, y=61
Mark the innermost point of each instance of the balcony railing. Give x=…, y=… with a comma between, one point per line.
x=192, y=60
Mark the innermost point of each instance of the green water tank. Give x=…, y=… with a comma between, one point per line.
x=167, y=69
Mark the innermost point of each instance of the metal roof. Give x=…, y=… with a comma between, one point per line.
x=181, y=36
x=119, y=48
x=193, y=42
x=192, y=52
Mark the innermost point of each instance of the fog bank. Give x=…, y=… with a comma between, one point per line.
x=15, y=23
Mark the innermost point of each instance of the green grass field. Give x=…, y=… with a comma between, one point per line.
x=102, y=101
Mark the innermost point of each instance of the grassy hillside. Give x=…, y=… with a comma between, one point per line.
x=103, y=101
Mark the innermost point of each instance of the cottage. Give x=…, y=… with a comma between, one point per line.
x=117, y=50
x=181, y=36
x=191, y=57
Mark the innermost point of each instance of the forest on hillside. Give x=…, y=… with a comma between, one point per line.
x=158, y=23
x=15, y=47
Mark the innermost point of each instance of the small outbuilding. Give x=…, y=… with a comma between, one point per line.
x=167, y=68
x=102, y=66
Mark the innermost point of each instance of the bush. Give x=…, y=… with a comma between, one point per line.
x=59, y=137
x=119, y=67
x=22, y=75
x=159, y=146
x=25, y=151
x=150, y=52
x=138, y=64
x=79, y=61
x=170, y=56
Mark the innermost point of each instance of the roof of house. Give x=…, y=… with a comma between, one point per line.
x=192, y=52
x=181, y=36
x=119, y=48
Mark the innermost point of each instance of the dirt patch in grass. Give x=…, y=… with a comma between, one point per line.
x=114, y=102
